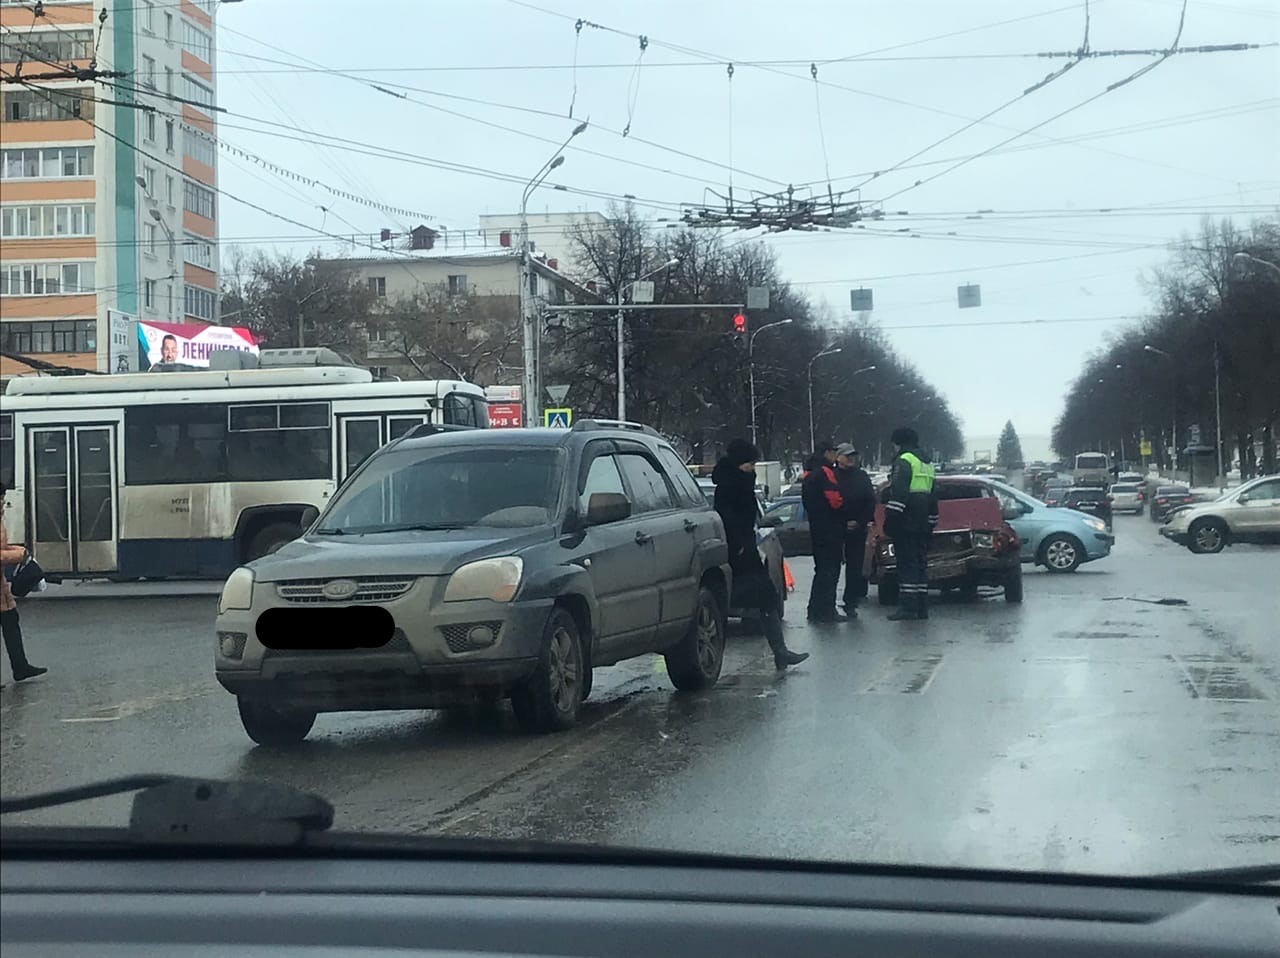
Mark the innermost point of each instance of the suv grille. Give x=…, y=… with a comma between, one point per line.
x=458, y=637
x=369, y=588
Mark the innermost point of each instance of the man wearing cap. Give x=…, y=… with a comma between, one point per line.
x=824, y=505
x=859, y=509
x=910, y=513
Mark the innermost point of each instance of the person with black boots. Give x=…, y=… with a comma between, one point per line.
x=9, y=624
x=910, y=513
x=735, y=481
x=824, y=505
x=859, y=511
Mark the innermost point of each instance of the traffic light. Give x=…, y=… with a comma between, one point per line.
x=740, y=323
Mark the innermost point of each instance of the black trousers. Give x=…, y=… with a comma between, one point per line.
x=826, y=576
x=912, y=551
x=855, y=583
x=11, y=628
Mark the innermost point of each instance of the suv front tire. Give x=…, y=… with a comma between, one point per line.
x=694, y=662
x=550, y=698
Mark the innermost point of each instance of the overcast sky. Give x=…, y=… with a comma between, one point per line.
x=1197, y=135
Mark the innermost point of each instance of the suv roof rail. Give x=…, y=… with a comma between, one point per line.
x=432, y=428
x=587, y=425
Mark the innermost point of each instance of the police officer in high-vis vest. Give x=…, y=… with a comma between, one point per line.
x=910, y=513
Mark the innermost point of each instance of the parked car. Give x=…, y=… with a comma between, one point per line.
x=787, y=519
x=1061, y=540
x=1133, y=478
x=1055, y=490
x=1167, y=499
x=1250, y=513
x=971, y=546
x=1036, y=480
x=1128, y=497
x=468, y=566
x=1091, y=500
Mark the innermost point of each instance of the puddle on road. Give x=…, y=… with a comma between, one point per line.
x=906, y=674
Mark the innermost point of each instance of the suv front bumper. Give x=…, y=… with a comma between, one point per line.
x=430, y=661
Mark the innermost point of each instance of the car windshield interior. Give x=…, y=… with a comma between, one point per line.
x=449, y=488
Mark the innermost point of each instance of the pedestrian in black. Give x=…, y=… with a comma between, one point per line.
x=735, y=479
x=10, y=626
x=910, y=513
x=824, y=507
x=859, y=509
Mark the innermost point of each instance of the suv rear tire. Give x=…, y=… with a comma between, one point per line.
x=267, y=725
x=695, y=661
x=550, y=698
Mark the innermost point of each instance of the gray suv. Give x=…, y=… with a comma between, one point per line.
x=466, y=566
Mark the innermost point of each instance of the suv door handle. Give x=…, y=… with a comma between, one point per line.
x=642, y=537
x=690, y=526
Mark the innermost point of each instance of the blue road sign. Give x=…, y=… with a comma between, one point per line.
x=557, y=418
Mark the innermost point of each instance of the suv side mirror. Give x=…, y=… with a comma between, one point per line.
x=309, y=515
x=605, y=507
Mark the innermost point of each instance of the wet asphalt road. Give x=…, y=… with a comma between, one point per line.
x=1083, y=730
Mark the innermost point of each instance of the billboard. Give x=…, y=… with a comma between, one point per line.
x=188, y=344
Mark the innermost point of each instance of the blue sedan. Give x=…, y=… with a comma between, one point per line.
x=1058, y=539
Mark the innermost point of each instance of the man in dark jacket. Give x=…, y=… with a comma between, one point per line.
x=910, y=513
x=859, y=509
x=824, y=506
x=735, y=501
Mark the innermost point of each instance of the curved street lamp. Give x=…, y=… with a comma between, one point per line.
x=751, y=369
x=826, y=352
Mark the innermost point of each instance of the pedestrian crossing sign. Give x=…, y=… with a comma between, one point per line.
x=557, y=418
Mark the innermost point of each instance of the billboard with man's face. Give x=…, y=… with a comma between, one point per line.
x=188, y=344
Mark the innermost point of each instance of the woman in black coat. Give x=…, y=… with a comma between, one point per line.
x=735, y=481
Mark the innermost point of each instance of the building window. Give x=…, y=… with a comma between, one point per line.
x=21, y=106
x=59, y=336
x=168, y=294
x=49, y=163
x=198, y=145
x=457, y=285
x=149, y=294
x=199, y=303
x=148, y=71
x=150, y=134
x=46, y=279
x=377, y=333
x=149, y=174
x=168, y=79
x=148, y=16
x=168, y=135
x=197, y=251
x=33, y=222
x=169, y=194
x=196, y=92
x=58, y=46
x=197, y=199
x=378, y=284
x=152, y=230
x=168, y=27
x=196, y=42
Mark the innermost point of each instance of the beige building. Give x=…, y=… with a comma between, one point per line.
x=482, y=335
x=550, y=234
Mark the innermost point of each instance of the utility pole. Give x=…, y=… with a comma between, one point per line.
x=751, y=369
x=622, y=332
x=1217, y=407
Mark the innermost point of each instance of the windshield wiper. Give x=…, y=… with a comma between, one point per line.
x=427, y=527
x=172, y=809
x=330, y=532
x=1240, y=875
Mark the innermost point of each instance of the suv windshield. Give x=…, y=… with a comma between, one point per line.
x=449, y=488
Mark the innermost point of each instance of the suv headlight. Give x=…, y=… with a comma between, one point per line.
x=984, y=540
x=237, y=593
x=1097, y=525
x=496, y=579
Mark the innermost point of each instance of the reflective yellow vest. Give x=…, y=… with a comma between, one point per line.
x=922, y=473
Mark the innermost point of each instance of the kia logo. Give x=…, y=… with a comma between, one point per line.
x=340, y=589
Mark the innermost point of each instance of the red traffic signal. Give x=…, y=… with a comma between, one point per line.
x=740, y=323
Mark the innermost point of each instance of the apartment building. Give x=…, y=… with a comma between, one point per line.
x=486, y=269
x=105, y=208
x=550, y=233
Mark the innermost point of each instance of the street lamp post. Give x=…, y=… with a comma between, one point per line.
x=1242, y=256
x=826, y=352
x=527, y=321
x=622, y=342
x=751, y=369
x=1174, y=410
